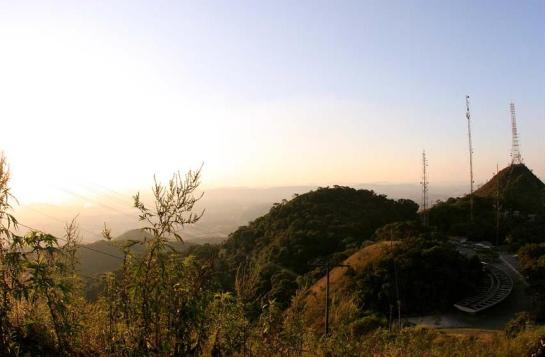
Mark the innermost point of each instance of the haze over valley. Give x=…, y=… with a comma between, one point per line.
x=225, y=208
x=276, y=178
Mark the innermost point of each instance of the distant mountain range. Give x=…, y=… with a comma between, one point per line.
x=226, y=209
x=104, y=256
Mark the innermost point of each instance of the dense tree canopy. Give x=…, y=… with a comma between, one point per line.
x=325, y=224
x=453, y=217
x=532, y=260
x=518, y=188
x=430, y=276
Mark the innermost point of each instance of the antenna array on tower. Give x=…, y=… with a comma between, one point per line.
x=497, y=205
x=424, y=184
x=472, y=182
x=516, y=157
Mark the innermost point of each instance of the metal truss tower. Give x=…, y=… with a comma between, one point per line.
x=424, y=184
x=516, y=157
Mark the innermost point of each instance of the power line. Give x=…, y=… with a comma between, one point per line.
x=198, y=229
x=62, y=221
x=80, y=196
x=118, y=196
x=79, y=245
x=121, y=198
x=83, y=229
x=88, y=231
x=80, y=228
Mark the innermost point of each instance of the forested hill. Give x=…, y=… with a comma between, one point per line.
x=521, y=204
x=424, y=272
x=106, y=256
x=135, y=235
x=324, y=224
x=519, y=189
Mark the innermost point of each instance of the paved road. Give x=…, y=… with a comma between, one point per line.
x=494, y=318
x=511, y=261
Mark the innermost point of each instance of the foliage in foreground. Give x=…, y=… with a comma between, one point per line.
x=532, y=260
x=428, y=342
x=164, y=303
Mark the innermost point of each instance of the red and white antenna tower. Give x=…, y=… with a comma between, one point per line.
x=472, y=181
x=516, y=157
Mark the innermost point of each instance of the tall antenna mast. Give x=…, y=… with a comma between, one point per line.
x=468, y=116
x=516, y=158
x=424, y=184
x=497, y=205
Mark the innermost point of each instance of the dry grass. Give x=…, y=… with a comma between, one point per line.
x=424, y=342
x=338, y=280
x=485, y=336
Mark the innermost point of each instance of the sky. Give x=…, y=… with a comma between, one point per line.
x=265, y=93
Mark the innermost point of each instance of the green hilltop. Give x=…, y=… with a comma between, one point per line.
x=521, y=198
x=134, y=235
x=518, y=188
x=327, y=224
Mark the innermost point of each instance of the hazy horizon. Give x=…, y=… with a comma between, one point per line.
x=265, y=94
x=225, y=208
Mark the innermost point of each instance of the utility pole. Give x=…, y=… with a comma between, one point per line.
x=326, y=318
x=471, y=181
x=328, y=268
x=397, y=298
x=397, y=289
x=424, y=184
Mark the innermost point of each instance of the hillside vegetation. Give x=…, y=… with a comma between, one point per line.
x=521, y=198
x=518, y=188
x=327, y=224
x=424, y=273
x=247, y=296
x=340, y=279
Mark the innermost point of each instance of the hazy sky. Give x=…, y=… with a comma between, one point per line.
x=265, y=93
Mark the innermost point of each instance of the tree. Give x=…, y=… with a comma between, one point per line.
x=532, y=260
x=158, y=300
x=36, y=274
x=10, y=264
